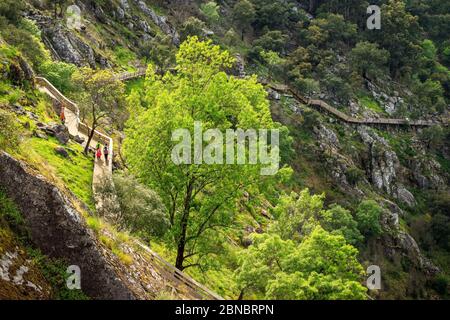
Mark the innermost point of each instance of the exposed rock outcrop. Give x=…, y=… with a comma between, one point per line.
x=160, y=21
x=397, y=241
x=383, y=165
x=57, y=229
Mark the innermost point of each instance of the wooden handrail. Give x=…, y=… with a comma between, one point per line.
x=196, y=289
x=323, y=106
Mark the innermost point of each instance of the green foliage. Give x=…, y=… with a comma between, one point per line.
x=368, y=216
x=368, y=60
x=100, y=96
x=75, y=172
x=211, y=11
x=9, y=210
x=297, y=214
x=159, y=51
x=10, y=131
x=274, y=62
x=192, y=27
x=244, y=14
x=142, y=209
x=271, y=41
x=29, y=44
x=323, y=266
x=55, y=272
x=275, y=14
x=338, y=220
x=400, y=36
x=354, y=175
x=11, y=9
x=59, y=74
x=433, y=136
x=331, y=30
x=200, y=197
x=124, y=57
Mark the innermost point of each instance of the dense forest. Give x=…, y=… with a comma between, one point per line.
x=345, y=196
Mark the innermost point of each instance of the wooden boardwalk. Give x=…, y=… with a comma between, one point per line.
x=322, y=106
x=325, y=107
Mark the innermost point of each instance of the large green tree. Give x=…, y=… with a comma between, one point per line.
x=201, y=198
x=322, y=266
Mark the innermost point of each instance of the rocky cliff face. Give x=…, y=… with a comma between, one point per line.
x=58, y=230
x=383, y=166
x=83, y=48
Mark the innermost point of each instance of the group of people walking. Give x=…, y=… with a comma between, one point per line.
x=98, y=149
x=98, y=152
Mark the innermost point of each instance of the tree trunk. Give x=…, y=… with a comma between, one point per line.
x=91, y=135
x=184, y=223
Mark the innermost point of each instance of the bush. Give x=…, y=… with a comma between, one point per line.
x=368, y=216
x=192, y=27
x=440, y=284
x=354, y=175
x=11, y=9
x=9, y=131
x=142, y=209
x=28, y=44
x=59, y=74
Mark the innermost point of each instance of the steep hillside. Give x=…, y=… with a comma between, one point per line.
x=364, y=144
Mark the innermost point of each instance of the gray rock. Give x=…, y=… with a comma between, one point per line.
x=124, y=5
x=17, y=108
x=405, y=196
x=160, y=21
x=40, y=135
x=120, y=13
x=59, y=231
x=59, y=131
x=62, y=152
x=78, y=139
x=68, y=47
x=397, y=241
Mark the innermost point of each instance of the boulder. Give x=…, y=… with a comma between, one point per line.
x=40, y=134
x=59, y=131
x=62, y=152
x=405, y=196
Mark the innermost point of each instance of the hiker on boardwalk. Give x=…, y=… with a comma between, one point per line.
x=106, y=153
x=98, y=153
x=62, y=116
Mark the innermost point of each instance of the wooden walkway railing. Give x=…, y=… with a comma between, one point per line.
x=132, y=75
x=323, y=106
x=184, y=284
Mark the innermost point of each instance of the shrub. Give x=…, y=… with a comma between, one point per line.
x=9, y=131
x=368, y=216
x=11, y=9
x=59, y=74
x=142, y=209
